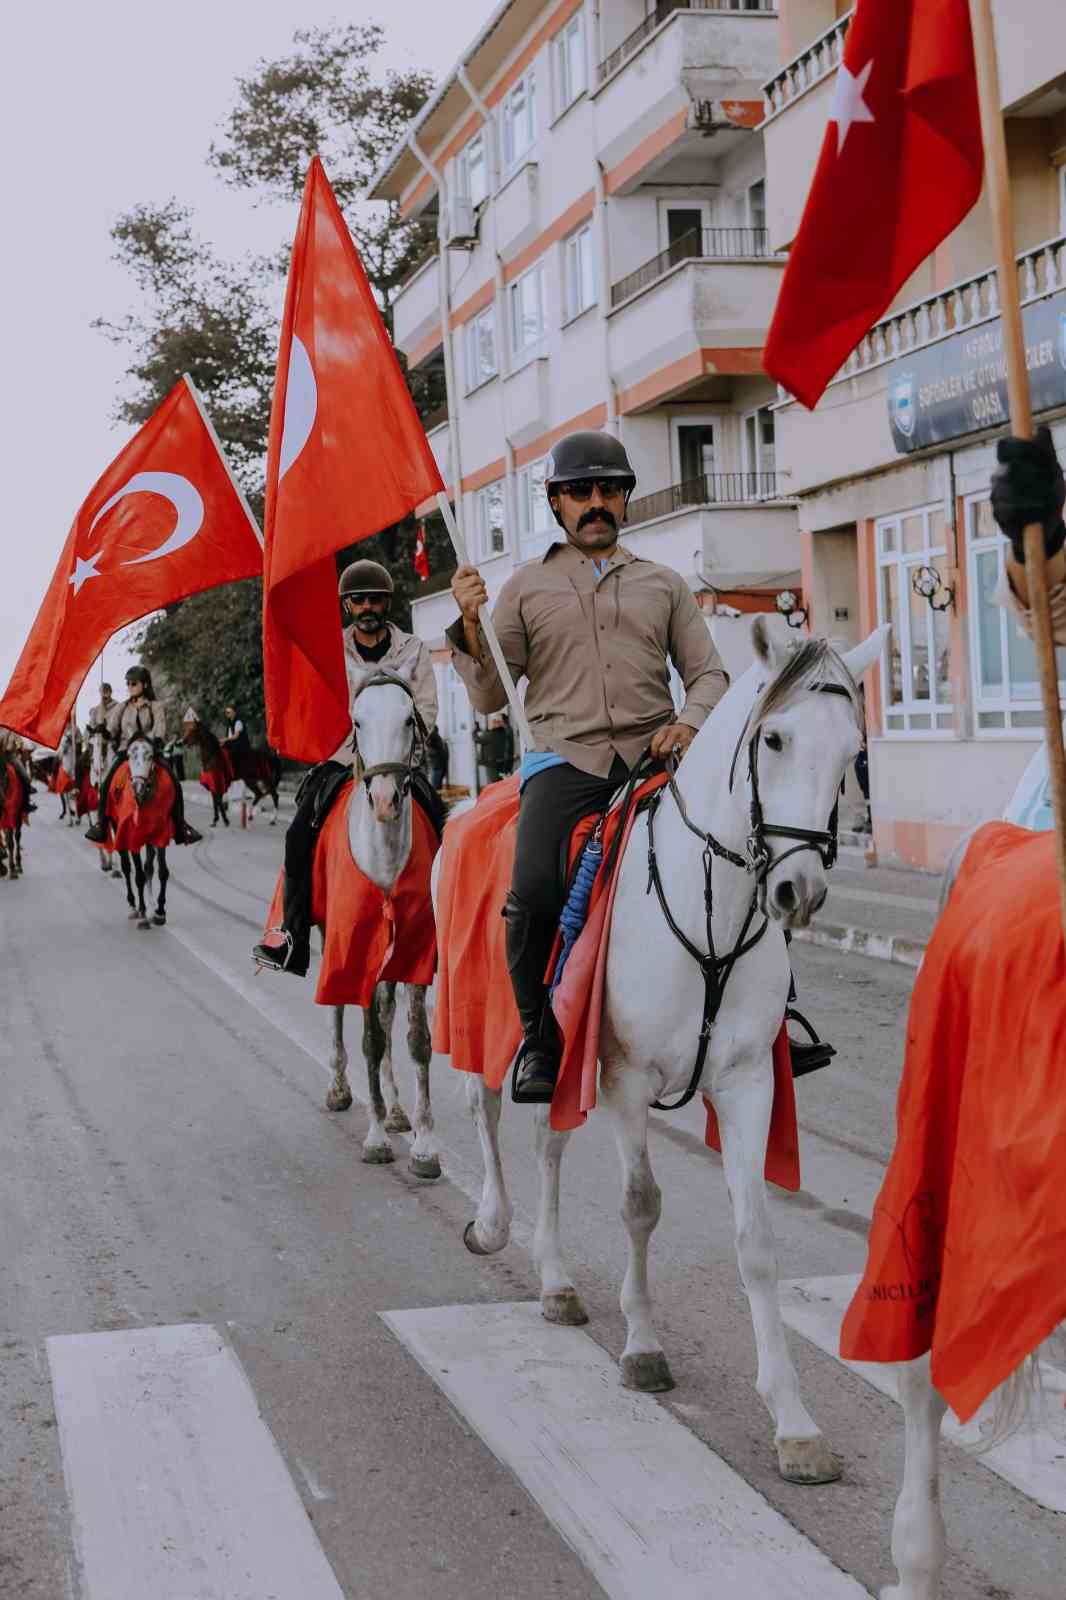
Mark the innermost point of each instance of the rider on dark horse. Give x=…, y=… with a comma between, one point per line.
x=236, y=740
x=371, y=644
x=11, y=747
x=142, y=713
x=592, y=628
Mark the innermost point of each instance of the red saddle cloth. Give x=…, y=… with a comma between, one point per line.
x=133, y=826
x=13, y=800
x=63, y=781
x=217, y=777
x=476, y=1022
x=369, y=937
x=88, y=795
x=969, y=1231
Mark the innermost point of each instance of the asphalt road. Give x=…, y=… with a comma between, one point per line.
x=166, y=1160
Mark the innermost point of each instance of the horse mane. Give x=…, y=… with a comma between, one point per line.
x=808, y=665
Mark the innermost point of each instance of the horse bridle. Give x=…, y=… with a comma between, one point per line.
x=150, y=781
x=404, y=770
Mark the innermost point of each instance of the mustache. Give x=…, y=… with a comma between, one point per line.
x=597, y=514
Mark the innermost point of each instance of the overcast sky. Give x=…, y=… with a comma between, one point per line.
x=105, y=105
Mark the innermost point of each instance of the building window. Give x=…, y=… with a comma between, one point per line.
x=479, y=338
x=1060, y=173
x=536, y=525
x=1005, y=677
x=518, y=122
x=916, y=688
x=569, y=45
x=527, y=310
x=473, y=171
x=757, y=204
x=579, y=272
x=488, y=521
x=760, y=459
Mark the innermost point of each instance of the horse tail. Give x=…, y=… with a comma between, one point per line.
x=1021, y=1400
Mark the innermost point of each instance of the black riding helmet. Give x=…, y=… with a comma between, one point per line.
x=141, y=675
x=588, y=454
x=365, y=577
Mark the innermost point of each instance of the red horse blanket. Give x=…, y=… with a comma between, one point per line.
x=63, y=781
x=133, y=826
x=475, y=1021
x=88, y=796
x=369, y=937
x=968, y=1242
x=218, y=775
x=13, y=802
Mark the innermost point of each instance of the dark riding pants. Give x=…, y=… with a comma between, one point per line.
x=553, y=803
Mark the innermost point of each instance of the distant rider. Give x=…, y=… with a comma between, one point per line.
x=141, y=713
x=371, y=644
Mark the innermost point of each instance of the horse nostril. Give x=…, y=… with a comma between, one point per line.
x=785, y=895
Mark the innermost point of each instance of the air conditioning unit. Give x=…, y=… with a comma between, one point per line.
x=462, y=223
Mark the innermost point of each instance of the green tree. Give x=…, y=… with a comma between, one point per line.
x=216, y=320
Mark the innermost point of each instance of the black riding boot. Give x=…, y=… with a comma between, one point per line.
x=529, y=943
x=184, y=832
x=295, y=954
x=98, y=832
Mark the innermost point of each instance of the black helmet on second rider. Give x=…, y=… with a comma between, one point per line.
x=588, y=454
x=368, y=578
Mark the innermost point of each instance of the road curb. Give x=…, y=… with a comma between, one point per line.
x=864, y=942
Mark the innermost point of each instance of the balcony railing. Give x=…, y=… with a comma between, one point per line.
x=820, y=58
x=714, y=488
x=664, y=9
x=962, y=305
x=699, y=244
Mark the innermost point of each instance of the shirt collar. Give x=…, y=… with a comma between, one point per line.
x=563, y=549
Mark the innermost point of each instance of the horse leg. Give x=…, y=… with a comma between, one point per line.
x=743, y=1105
x=3, y=852
x=339, y=1095
x=140, y=875
x=160, y=916
x=124, y=859
x=559, y=1300
x=396, y=1119
x=425, y=1159
x=491, y=1228
x=919, y=1543
x=274, y=818
x=644, y=1365
x=376, y=1146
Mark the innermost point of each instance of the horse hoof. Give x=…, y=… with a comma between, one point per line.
x=378, y=1155
x=142, y=923
x=474, y=1245
x=427, y=1167
x=160, y=919
x=807, y=1461
x=563, y=1307
x=648, y=1371
x=339, y=1100
x=132, y=916
x=396, y=1121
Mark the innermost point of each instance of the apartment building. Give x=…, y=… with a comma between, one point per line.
x=890, y=473
x=597, y=176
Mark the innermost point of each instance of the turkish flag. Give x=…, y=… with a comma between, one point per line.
x=421, y=562
x=347, y=457
x=165, y=521
x=900, y=167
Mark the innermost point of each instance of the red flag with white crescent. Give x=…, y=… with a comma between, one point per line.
x=164, y=521
x=421, y=561
x=901, y=165
x=348, y=457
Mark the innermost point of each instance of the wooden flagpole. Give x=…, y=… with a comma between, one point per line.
x=495, y=649
x=1021, y=415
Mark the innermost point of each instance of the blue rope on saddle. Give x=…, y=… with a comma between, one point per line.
x=575, y=912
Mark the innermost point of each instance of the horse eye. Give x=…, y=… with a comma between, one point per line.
x=775, y=742
x=410, y=722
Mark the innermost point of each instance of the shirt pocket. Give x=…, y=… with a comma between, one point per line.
x=553, y=618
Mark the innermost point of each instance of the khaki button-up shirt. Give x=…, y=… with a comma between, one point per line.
x=594, y=649
x=408, y=658
x=137, y=716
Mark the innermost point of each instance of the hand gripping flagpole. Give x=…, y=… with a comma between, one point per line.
x=1021, y=415
x=485, y=621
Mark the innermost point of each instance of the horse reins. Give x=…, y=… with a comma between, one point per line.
x=405, y=770
x=759, y=861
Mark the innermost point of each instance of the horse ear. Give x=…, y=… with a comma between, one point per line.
x=768, y=650
x=865, y=655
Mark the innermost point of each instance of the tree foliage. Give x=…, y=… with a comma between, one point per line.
x=217, y=319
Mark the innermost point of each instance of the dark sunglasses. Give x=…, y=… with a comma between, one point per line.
x=580, y=489
x=363, y=599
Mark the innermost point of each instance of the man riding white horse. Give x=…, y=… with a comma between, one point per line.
x=100, y=715
x=13, y=749
x=592, y=628
x=142, y=713
x=372, y=644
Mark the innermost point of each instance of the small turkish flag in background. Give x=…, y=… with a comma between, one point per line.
x=900, y=167
x=165, y=521
x=421, y=553
x=347, y=457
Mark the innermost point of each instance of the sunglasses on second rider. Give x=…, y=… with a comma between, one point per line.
x=367, y=599
x=580, y=489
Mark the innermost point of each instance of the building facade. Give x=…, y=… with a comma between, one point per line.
x=890, y=473
x=597, y=175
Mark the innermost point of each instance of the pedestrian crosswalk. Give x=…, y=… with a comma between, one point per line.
x=1033, y=1460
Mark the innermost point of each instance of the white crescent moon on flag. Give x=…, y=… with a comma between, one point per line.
x=301, y=406
x=183, y=496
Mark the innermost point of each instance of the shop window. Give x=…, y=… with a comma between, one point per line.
x=916, y=685
x=1005, y=679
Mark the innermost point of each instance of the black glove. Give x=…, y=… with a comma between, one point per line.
x=1028, y=486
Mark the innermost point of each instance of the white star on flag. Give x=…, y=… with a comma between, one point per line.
x=848, y=103
x=84, y=570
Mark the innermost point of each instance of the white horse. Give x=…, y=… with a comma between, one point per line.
x=386, y=746
x=99, y=761
x=769, y=761
x=68, y=763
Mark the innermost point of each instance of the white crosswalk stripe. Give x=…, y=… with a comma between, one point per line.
x=176, y=1485
x=1033, y=1460
x=649, y=1508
